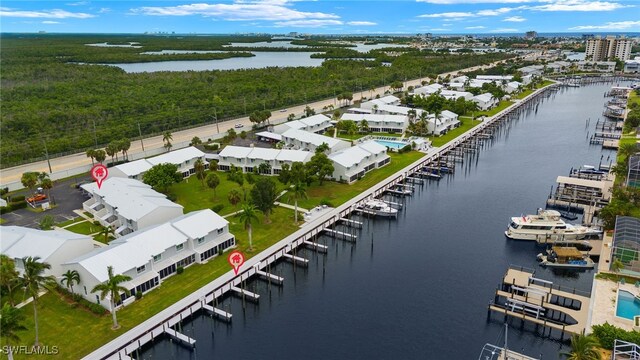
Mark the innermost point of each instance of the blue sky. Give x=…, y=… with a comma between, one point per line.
x=332, y=17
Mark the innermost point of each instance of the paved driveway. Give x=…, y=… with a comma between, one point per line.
x=66, y=197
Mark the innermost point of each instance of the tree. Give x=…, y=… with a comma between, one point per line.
x=69, y=278
x=167, y=137
x=9, y=278
x=397, y=85
x=46, y=222
x=583, y=347
x=291, y=117
x=323, y=148
x=111, y=150
x=47, y=185
x=29, y=180
x=106, y=232
x=162, y=176
x=212, y=181
x=112, y=288
x=309, y=111
x=263, y=196
x=91, y=154
x=247, y=217
x=364, y=126
x=11, y=319
x=196, y=141
x=213, y=165
x=231, y=134
x=285, y=174
x=321, y=166
x=297, y=191
x=100, y=155
x=264, y=168
x=199, y=169
x=34, y=280
x=234, y=197
x=124, y=145
x=617, y=266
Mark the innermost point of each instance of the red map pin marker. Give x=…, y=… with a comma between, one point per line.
x=236, y=259
x=99, y=173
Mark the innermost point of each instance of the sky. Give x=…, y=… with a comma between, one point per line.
x=322, y=16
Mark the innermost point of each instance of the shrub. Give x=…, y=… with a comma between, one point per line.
x=138, y=295
x=243, y=135
x=211, y=147
x=79, y=300
x=4, y=191
x=220, y=251
x=607, y=335
x=97, y=223
x=17, y=198
x=179, y=270
x=326, y=201
x=217, y=207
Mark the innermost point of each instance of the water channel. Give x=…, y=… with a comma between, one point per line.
x=418, y=286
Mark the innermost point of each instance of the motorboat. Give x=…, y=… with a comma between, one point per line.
x=380, y=208
x=547, y=226
x=566, y=257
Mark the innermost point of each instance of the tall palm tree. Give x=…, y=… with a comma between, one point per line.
x=248, y=215
x=34, y=280
x=69, y=278
x=583, y=347
x=106, y=231
x=91, y=154
x=11, y=319
x=234, y=197
x=166, y=139
x=297, y=191
x=9, y=277
x=112, y=288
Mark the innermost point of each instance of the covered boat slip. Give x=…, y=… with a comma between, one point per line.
x=541, y=302
x=582, y=191
x=567, y=252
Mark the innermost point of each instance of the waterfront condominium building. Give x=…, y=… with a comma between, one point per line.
x=609, y=48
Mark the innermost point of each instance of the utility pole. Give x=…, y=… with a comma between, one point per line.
x=95, y=137
x=215, y=114
x=46, y=154
x=140, y=132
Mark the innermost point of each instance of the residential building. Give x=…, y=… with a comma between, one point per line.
x=380, y=122
x=530, y=35
x=54, y=247
x=598, y=66
x=389, y=100
x=633, y=175
x=128, y=205
x=512, y=87
x=428, y=89
x=535, y=70
x=626, y=244
x=353, y=163
x=452, y=94
x=151, y=255
x=499, y=78
x=249, y=158
x=315, y=124
x=459, y=83
x=183, y=158
x=608, y=48
x=303, y=140
x=485, y=101
x=632, y=66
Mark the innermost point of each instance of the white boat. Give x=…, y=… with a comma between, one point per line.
x=380, y=208
x=566, y=257
x=547, y=226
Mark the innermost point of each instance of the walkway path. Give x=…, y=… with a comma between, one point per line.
x=70, y=165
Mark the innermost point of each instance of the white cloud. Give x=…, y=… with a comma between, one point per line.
x=104, y=10
x=447, y=15
x=515, y=19
x=577, y=5
x=47, y=14
x=276, y=10
x=361, y=23
x=49, y=22
x=78, y=3
x=617, y=25
x=309, y=23
x=475, y=27
x=449, y=2
x=503, y=30
x=496, y=12
x=460, y=15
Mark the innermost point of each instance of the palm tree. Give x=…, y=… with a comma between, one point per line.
x=583, y=347
x=11, y=319
x=247, y=216
x=198, y=167
x=47, y=185
x=34, y=280
x=166, y=139
x=297, y=191
x=616, y=266
x=112, y=288
x=125, y=145
x=70, y=277
x=106, y=231
x=9, y=277
x=234, y=197
x=91, y=154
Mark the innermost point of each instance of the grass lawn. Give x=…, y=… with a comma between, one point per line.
x=465, y=125
x=337, y=193
x=193, y=196
x=86, y=228
x=501, y=106
x=69, y=222
x=85, y=332
x=18, y=296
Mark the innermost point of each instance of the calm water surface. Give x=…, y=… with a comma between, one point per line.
x=418, y=287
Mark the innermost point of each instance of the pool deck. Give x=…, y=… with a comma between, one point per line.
x=605, y=295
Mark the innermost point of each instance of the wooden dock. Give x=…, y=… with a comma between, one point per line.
x=317, y=247
x=245, y=293
x=342, y=235
x=221, y=314
x=271, y=277
x=296, y=259
x=180, y=337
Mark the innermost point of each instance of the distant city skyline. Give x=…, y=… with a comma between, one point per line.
x=323, y=17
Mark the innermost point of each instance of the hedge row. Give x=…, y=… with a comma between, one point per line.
x=607, y=335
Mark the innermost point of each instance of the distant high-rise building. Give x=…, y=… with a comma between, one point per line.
x=587, y=36
x=530, y=35
x=607, y=49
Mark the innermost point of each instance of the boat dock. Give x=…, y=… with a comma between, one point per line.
x=523, y=296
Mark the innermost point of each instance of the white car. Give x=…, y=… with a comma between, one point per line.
x=283, y=110
x=238, y=126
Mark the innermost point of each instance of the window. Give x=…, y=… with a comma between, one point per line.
x=200, y=240
x=157, y=258
x=220, y=231
x=141, y=269
x=179, y=247
x=85, y=290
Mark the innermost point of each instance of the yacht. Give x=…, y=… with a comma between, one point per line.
x=546, y=226
x=566, y=257
x=380, y=208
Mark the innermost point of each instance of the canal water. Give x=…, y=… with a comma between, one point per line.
x=419, y=286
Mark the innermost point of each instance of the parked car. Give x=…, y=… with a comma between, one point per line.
x=283, y=110
x=238, y=126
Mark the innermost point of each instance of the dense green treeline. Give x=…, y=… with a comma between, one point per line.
x=68, y=107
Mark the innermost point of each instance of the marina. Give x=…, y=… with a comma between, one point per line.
x=381, y=229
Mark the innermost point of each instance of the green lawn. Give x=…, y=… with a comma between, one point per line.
x=85, y=332
x=465, y=125
x=501, y=106
x=337, y=193
x=69, y=222
x=86, y=228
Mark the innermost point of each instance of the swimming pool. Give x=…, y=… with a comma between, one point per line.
x=628, y=306
x=392, y=144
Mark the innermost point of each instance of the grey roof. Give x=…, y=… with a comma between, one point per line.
x=627, y=232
